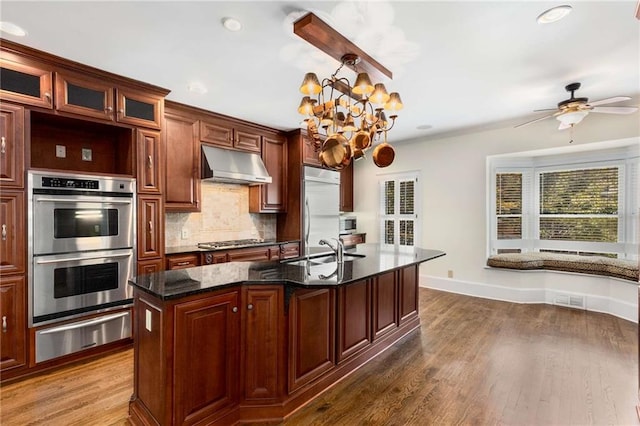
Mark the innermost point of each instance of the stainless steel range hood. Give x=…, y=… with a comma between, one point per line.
x=225, y=165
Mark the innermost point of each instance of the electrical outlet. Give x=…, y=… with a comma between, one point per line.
x=450, y=273
x=61, y=151
x=86, y=154
x=147, y=319
x=185, y=234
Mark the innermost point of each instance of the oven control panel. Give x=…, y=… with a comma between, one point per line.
x=57, y=182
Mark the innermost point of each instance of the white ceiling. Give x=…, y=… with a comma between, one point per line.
x=459, y=66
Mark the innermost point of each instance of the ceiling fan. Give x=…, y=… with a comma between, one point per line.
x=571, y=111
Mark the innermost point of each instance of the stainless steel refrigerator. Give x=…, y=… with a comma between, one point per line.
x=321, y=208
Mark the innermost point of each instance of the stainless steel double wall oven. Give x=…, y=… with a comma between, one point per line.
x=81, y=255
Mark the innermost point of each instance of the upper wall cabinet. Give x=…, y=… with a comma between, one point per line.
x=11, y=146
x=227, y=134
x=99, y=98
x=271, y=197
x=26, y=82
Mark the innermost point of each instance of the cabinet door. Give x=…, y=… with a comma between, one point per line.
x=26, y=83
x=206, y=368
x=309, y=155
x=139, y=108
x=216, y=132
x=271, y=197
x=11, y=146
x=289, y=250
x=385, y=306
x=12, y=232
x=249, y=254
x=150, y=266
x=150, y=227
x=346, y=189
x=354, y=318
x=149, y=162
x=408, y=293
x=264, y=308
x=182, y=157
x=83, y=95
x=247, y=139
x=311, y=336
x=12, y=317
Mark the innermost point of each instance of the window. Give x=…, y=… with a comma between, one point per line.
x=585, y=204
x=398, y=211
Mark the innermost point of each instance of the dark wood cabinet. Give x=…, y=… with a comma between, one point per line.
x=12, y=232
x=139, y=108
x=271, y=197
x=309, y=155
x=11, y=146
x=289, y=250
x=354, y=318
x=149, y=266
x=182, y=261
x=228, y=134
x=149, y=162
x=311, y=336
x=206, y=384
x=351, y=240
x=264, y=337
x=25, y=81
x=150, y=227
x=213, y=257
x=385, y=304
x=346, y=188
x=182, y=158
x=12, y=323
x=408, y=293
x=252, y=253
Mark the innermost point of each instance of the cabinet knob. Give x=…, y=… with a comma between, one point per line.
x=4, y=323
x=121, y=111
x=3, y=145
x=4, y=232
x=108, y=110
x=149, y=162
x=234, y=309
x=150, y=226
x=250, y=307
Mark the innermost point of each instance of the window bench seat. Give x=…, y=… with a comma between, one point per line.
x=594, y=265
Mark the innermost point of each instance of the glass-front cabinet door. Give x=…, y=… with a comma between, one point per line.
x=78, y=94
x=26, y=83
x=138, y=108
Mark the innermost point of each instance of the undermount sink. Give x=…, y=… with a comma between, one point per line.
x=321, y=260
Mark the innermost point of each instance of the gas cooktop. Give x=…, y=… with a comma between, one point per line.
x=230, y=243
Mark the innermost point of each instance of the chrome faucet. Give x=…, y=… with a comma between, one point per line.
x=338, y=249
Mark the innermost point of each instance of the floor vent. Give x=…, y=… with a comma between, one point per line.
x=572, y=301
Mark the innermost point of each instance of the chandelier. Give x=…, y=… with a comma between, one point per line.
x=343, y=121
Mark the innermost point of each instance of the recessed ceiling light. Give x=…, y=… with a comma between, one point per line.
x=11, y=28
x=554, y=14
x=232, y=24
x=424, y=127
x=197, y=87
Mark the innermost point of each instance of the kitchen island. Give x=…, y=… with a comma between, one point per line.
x=253, y=341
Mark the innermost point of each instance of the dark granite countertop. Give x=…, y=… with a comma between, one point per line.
x=371, y=261
x=194, y=247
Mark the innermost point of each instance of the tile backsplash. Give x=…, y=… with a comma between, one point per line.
x=224, y=216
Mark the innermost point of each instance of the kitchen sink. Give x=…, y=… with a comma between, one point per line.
x=321, y=260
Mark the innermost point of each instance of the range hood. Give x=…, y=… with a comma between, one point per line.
x=225, y=165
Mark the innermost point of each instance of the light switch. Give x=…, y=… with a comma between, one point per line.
x=61, y=151
x=147, y=320
x=86, y=154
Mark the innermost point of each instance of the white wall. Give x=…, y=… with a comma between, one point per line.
x=453, y=172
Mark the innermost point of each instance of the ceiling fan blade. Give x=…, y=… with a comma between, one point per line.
x=564, y=126
x=534, y=120
x=610, y=100
x=615, y=110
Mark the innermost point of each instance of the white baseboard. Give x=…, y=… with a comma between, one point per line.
x=624, y=309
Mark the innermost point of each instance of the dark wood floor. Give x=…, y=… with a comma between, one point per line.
x=474, y=361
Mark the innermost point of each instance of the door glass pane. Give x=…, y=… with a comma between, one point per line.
x=406, y=232
x=389, y=232
x=78, y=280
x=137, y=109
x=73, y=223
x=406, y=197
x=389, y=197
x=19, y=82
x=88, y=98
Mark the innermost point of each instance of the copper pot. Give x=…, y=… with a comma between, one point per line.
x=383, y=155
x=336, y=152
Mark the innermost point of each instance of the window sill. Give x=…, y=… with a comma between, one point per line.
x=592, y=265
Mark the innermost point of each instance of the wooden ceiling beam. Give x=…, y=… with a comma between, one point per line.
x=319, y=34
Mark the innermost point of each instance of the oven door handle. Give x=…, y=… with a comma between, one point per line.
x=73, y=259
x=77, y=200
x=86, y=323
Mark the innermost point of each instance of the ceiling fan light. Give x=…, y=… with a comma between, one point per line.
x=554, y=14
x=379, y=95
x=573, y=117
x=363, y=85
x=310, y=84
x=394, y=103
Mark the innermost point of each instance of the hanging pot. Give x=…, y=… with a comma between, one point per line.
x=363, y=139
x=336, y=152
x=383, y=155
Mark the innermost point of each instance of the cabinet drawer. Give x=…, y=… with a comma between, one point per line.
x=352, y=240
x=213, y=257
x=289, y=250
x=182, y=261
x=248, y=254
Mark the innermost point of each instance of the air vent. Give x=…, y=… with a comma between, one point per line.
x=571, y=301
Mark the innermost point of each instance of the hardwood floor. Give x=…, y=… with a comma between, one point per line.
x=474, y=361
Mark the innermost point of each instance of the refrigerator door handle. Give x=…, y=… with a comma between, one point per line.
x=307, y=214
